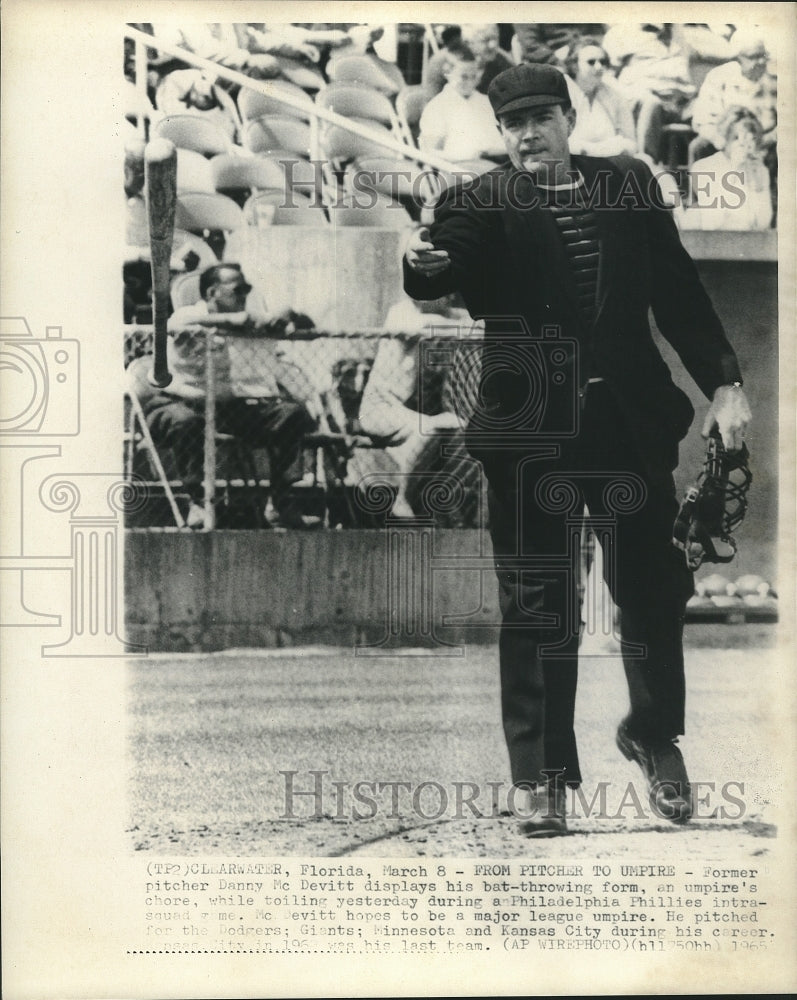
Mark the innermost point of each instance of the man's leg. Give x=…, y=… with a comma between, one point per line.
x=175, y=424
x=537, y=605
x=280, y=426
x=650, y=584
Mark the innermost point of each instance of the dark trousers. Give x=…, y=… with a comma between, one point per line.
x=536, y=508
x=276, y=424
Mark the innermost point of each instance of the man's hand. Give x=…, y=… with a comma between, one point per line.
x=422, y=256
x=730, y=411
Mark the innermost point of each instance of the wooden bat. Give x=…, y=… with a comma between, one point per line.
x=160, y=172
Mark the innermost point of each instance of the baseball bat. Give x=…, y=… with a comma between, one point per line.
x=160, y=173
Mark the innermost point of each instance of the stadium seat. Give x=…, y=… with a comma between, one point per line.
x=185, y=290
x=355, y=100
x=344, y=146
x=300, y=73
x=252, y=104
x=393, y=176
x=275, y=132
x=193, y=172
x=366, y=69
x=192, y=132
x=236, y=173
x=410, y=103
x=202, y=212
x=270, y=208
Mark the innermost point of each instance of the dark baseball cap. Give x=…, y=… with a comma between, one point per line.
x=528, y=86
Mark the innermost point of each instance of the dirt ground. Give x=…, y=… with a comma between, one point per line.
x=210, y=735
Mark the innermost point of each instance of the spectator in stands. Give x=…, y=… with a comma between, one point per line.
x=407, y=418
x=743, y=82
x=604, y=123
x=255, y=411
x=549, y=43
x=653, y=76
x=434, y=72
x=731, y=187
x=225, y=44
x=459, y=121
x=483, y=42
x=194, y=92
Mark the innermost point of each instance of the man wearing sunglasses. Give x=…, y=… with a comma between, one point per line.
x=250, y=403
x=562, y=256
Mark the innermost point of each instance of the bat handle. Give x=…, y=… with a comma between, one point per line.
x=159, y=375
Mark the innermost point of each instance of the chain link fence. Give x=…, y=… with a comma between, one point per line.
x=341, y=431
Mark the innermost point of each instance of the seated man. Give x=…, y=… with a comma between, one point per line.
x=410, y=411
x=459, y=121
x=744, y=82
x=249, y=406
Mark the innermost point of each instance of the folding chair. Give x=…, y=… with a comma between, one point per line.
x=193, y=172
x=252, y=104
x=357, y=100
x=277, y=132
x=344, y=146
x=367, y=69
x=238, y=176
x=270, y=208
x=184, y=290
x=200, y=212
x=192, y=132
x=410, y=103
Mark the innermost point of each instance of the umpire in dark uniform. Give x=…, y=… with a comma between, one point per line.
x=563, y=257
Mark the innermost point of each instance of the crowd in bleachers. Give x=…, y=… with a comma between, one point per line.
x=697, y=101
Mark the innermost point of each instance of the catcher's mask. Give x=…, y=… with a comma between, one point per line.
x=714, y=506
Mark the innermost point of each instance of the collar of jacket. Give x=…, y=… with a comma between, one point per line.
x=532, y=232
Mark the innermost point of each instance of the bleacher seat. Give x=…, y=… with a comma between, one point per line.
x=410, y=103
x=269, y=208
x=252, y=104
x=192, y=132
x=344, y=146
x=277, y=132
x=193, y=172
x=202, y=212
x=356, y=100
x=366, y=69
x=246, y=173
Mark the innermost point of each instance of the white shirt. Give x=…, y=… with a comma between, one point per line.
x=462, y=128
x=726, y=86
x=242, y=366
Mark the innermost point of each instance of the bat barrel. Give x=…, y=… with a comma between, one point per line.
x=160, y=171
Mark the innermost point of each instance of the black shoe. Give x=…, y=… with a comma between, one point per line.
x=665, y=772
x=546, y=813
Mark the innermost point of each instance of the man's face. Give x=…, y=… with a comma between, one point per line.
x=536, y=139
x=463, y=76
x=484, y=43
x=753, y=62
x=230, y=291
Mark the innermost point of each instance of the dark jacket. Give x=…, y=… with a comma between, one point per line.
x=508, y=262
